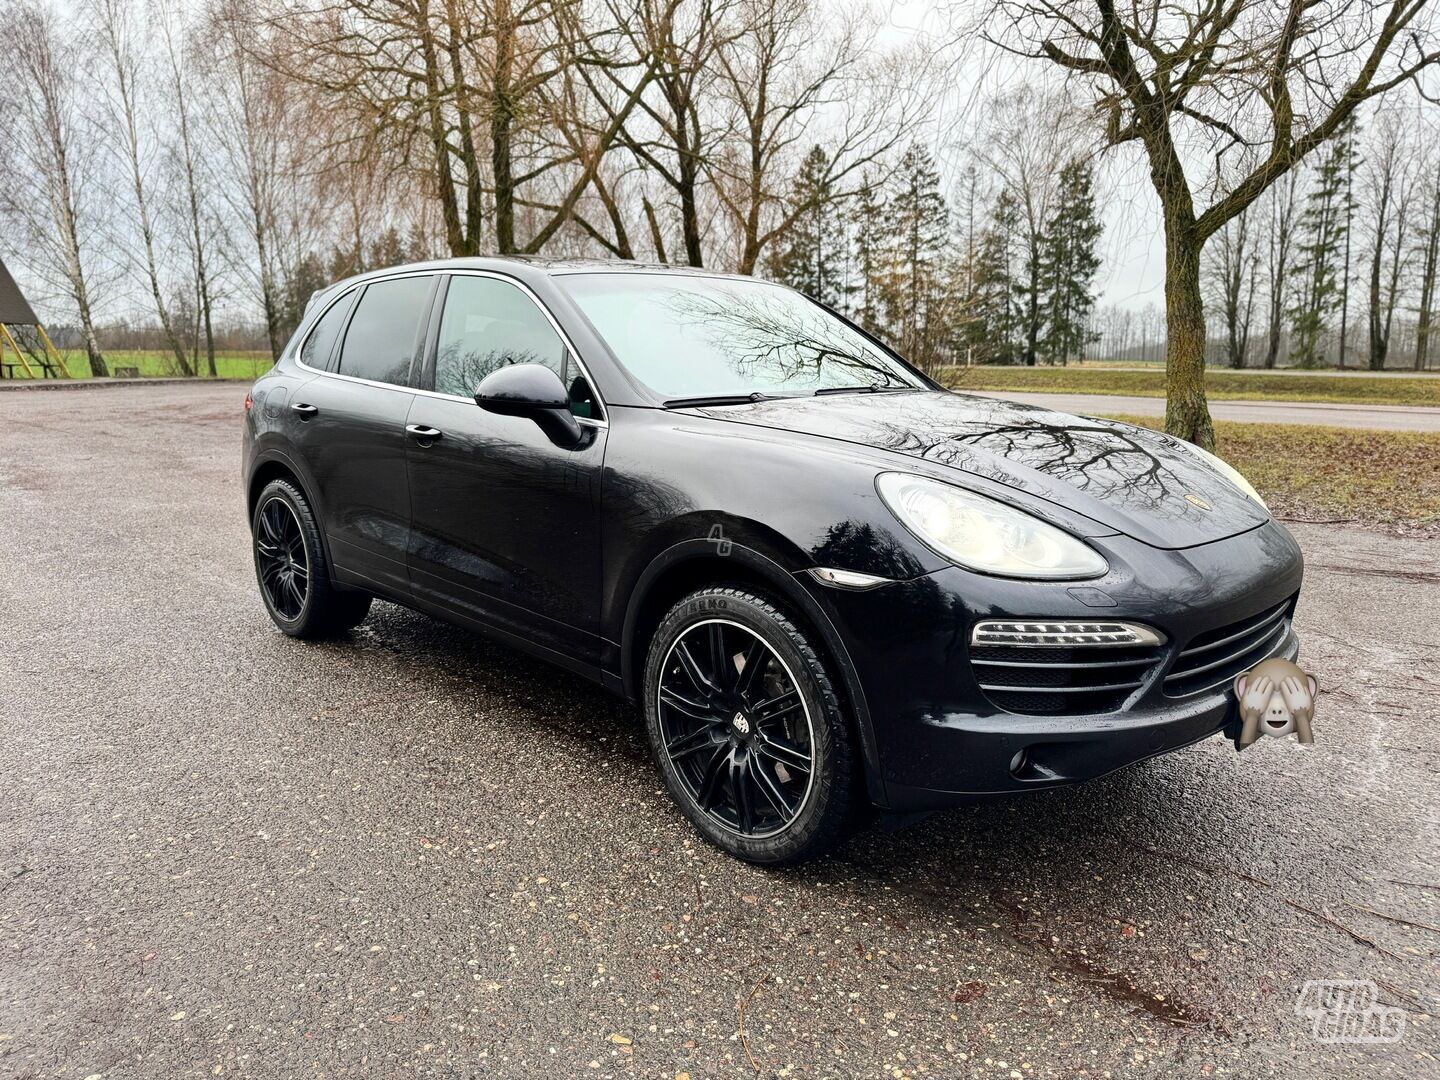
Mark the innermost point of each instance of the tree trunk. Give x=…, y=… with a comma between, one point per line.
x=1429, y=258
x=80, y=290
x=655, y=236
x=687, y=154
x=1187, y=415
x=501, y=124
x=469, y=162
x=750, y=255
x=455, y=237
x=1378, y=343
x=1032, y=303
x=98, y=366
x=622, y=247
x=689, y=209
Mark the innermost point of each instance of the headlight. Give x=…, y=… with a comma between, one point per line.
x=1226, y=470
x=983, y=534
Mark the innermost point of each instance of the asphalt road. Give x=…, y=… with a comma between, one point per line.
x=1378, y=417
x=224, y=853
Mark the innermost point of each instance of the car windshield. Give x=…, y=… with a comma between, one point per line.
x=700, y=337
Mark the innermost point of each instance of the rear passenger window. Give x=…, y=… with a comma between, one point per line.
x=381, y=338
x=320, y=345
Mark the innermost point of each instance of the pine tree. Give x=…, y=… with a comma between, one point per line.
x=1323, y=229
x=919, y=223
x=812, y=260
x=868, y=256
x=994, y=329
x=1069, y=261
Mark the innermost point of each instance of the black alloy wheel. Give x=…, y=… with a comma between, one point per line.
x=748, y=731
x=280, y=558
x=736, y=728
x=291, y=568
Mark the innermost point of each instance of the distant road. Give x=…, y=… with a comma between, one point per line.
x=1375, y=417
x=1346, y=373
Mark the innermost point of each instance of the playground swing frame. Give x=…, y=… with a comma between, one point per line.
x=7, y=337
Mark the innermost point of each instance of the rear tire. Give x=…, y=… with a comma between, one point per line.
x=292, y=571
x=760, y=763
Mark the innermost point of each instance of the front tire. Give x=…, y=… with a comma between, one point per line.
x=292, y=570
x=747, y=728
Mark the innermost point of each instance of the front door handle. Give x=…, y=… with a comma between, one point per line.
x=305, y=411
x=423, y=434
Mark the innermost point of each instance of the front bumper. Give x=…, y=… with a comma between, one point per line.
x=938, y=740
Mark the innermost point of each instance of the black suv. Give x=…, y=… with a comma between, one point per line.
x=830, y=584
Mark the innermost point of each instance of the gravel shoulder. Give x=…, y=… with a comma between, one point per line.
x=223, y=852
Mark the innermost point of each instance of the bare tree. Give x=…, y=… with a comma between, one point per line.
x=1279, y=245
x=668, y=134
x=1236, y=273
x=185, y=151
x=120, y=39
x=615, y=78
x=1388, y=183
x=258, y=116
x=479, y=95
x=55, y=161
x=1254, y=85
x=781, y=73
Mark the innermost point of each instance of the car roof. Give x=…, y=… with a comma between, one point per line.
x=526, y=267
x=544, y=264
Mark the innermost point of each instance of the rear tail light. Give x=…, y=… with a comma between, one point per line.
x=249, y=401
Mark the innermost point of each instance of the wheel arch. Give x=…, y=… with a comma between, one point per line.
x=695, y=564
x=275, y=465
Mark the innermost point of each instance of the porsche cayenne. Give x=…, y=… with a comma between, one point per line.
x=832, y=586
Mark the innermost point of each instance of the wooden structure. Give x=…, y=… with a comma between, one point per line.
x=16, y=313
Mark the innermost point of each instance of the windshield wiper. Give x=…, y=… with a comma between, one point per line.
x=866, y=388
x=717, y=399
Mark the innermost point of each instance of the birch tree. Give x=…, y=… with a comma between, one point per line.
x=55, y=164
x=121, y=37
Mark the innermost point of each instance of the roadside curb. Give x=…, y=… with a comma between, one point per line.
x=23, y=385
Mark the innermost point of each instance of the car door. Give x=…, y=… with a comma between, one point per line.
x=349, y=426
x=504, y=523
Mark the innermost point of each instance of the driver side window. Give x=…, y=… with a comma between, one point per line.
x=488, y=324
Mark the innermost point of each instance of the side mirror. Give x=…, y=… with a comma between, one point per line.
x=532, y=390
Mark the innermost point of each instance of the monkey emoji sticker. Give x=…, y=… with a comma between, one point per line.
x=1276, y=698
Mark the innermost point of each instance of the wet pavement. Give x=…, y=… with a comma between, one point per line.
x=413, y=852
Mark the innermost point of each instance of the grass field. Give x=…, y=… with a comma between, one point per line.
x=1327, y=473
x=228, y=365
x=1219, y=384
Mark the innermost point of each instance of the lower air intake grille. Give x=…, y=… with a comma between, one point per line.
x=1215, y=657
x=1061, y=681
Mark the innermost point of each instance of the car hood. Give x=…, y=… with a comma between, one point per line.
x=1139, y=482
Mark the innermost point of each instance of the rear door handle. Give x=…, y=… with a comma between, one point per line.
x=306, y=411
x=423, y=433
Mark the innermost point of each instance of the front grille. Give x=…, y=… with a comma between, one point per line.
x=1215, y=657
x=1061, y=681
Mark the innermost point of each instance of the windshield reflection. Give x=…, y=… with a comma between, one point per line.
x=689, y=336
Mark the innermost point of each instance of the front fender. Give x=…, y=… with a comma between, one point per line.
x=789, y=586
